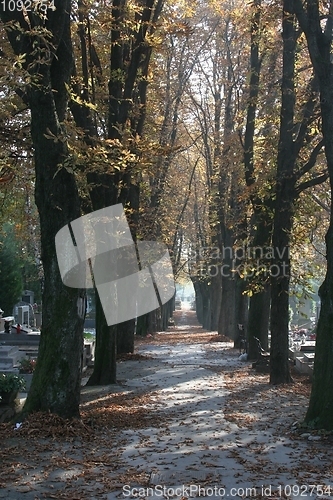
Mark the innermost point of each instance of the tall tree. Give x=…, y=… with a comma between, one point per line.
x=130, y=55
x=42, y=43
x=11, y=283
x=261, y=219
x=316, y=21
x=289, y=184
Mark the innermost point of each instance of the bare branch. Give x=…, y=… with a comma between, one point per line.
x=312, y=160
x=321, y=203
x=312, y=182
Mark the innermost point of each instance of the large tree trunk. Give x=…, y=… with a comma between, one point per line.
x=287, y=191
x=103, y=193
x=279, y=358
x=56, y=383
x=129, y=197
x=227, y=319
x=258, y=321
x=259, y=303
x=202, y=300
x=125, y=337
x=215, y=297
x=126, y=91
x=142, y=325
x=166, y=313
x=283, y=216
x=320, y=411
x=241, y=310
x=105, y=366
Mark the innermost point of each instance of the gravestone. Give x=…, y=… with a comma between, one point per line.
x=9, y=358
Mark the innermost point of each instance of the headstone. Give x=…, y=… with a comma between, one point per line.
x=308, y=346
x=9, y=357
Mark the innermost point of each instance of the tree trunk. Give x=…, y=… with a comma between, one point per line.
x=125, y=90
x=259, y=303
x=154, y=321
x=167, y=310
x=215, y=297
x=283, y=216
x=287, y=191
x=105, y=366
x=56, y=383
x=103, y=193
x=142, y=325
x=241, y=310
x=125, y=337
x=198, y=301
x=202, y=297
x=258, y=320
x=227, y=319
x=320, y=411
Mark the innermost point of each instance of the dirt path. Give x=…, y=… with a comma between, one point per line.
x=187, y=419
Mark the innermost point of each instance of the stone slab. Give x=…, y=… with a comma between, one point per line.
x=9, y=357
x=294, y=353
x=7, y=351
x=13, y=358
x=309, y=357
x=304, y=366
x=90, y=346
x=10, y=370
x=6, y=362
x=309, y=369
x=28, y=378
x=308, y=346
x=19, y=339
x=28, y=352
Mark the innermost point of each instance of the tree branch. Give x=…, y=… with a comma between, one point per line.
x=301, y=15
x=312, y=160
x=307, y=115
x=321, y=203
x=312, y=182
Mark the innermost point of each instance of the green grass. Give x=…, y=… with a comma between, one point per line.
x=88, y=336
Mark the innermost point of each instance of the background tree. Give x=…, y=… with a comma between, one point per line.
x=11, y=283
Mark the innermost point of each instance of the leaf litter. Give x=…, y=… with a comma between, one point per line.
x=199, y=417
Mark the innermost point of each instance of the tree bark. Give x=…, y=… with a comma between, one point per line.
x=320, y=411
x=202, y=297
x=284, y=209
x=56, y=383
x=258, y=320
x=125, y=337
x=227, y=320
x=129, y=64
x=105, y=366
x=259, y=303
x=215, y=297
